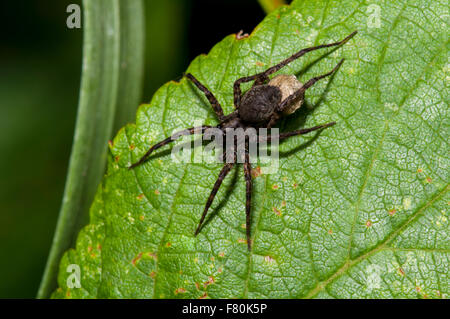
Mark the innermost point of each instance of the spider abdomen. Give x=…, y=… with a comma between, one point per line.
x=259, y=103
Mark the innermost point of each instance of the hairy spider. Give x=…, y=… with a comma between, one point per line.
x=260, y=107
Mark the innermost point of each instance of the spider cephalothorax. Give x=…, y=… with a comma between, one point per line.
x=260, y=107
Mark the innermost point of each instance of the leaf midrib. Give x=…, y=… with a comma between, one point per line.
x=380, y=247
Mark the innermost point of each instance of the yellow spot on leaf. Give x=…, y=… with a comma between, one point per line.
x=407, y=203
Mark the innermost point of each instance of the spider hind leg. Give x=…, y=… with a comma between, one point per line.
x=260, y=78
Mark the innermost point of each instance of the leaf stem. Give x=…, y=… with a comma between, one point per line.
x=111, y=87
x=271, y=5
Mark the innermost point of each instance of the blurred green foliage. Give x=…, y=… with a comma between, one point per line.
x=40, y=67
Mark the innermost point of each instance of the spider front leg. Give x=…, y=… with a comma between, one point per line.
x=188, y=131
x=260, y=78
x=209, y=95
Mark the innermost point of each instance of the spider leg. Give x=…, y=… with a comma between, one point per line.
x=261, y=80
x=306, y=86
x=223, y=173
x=188, y=131
x=248, y=193
x=209, y=95
x=264, y=75
x=297, y=132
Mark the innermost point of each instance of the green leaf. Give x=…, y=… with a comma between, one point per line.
x=357, y=211
x=111, y=87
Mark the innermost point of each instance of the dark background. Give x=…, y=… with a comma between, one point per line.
x=40, y=69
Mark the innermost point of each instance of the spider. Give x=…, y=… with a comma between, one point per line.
x=260, y=107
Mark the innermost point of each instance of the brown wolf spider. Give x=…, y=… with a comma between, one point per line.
x=260, y=107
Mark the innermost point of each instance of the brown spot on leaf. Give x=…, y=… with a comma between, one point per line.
x=89, y=248
x=258, y=63
x=401, y=271
x=419, y=170
x=153, y=274
x=429, y=180
x=283, y=203
x=168, y=244
x=204, y=296
x=110, y=143
x=117, y=158
x=392, y=212
x=197, y=285
x=256, y=172
x=368, y=223
x=141, y=218
x=295, y=185
x=219, y=270
x=180, y=291
x=274, y=186
x=330, y=232
x=268, y=259
x=276, y=211
x=210, y=281
x=99, y=247
x=157, y=192
x=221, y=254
x=136, y=259
x=132, y=147
x=242, y=241
x=140, y=197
